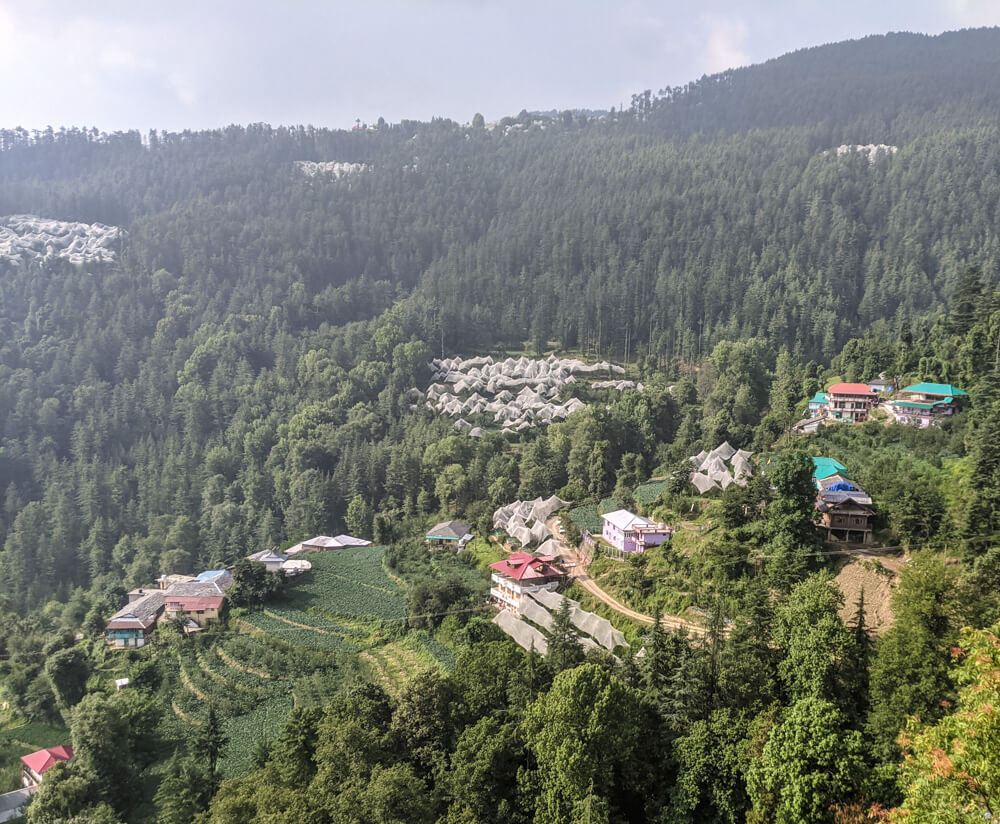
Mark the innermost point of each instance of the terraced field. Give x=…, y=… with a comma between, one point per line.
x=396, y=664
x=338, y=605
x=647, y=494
x=251, y=701
x=588, y=516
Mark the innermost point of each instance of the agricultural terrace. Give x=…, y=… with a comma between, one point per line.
x=251, y=683
x=339, y=605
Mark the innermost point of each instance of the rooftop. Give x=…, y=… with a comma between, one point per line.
x=449, y=531
x=850, y=389
x=942, y=389
x=819, y=397
x=623, y=519
x=825, y=467
x=140, y=613
x=523, y=566
x=266, y=556
x=211, y=574
x=43, y=760
x=195, y=589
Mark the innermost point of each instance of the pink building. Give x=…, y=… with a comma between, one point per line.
x=633, y=533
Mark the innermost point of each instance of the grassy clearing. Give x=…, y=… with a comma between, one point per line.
x=485, y=552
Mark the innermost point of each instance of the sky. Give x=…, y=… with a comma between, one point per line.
x=182, y=64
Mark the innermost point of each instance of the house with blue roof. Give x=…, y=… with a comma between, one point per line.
x=924, y=404
x=845, y=510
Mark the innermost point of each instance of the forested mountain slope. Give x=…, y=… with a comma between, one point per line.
x=233, y=371
x=236, y=376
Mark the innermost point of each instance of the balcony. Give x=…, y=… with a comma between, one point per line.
x=505, y=597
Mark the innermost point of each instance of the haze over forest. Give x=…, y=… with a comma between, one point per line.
x=215, y=343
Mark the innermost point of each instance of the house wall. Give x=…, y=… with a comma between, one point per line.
x=850, y=407
x=507, y=593
x=200, y=616
x=121, y=638
x=616, y=537
x=650, y=539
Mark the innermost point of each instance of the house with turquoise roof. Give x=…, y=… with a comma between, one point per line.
x=829, y=471
x=817, y=404
x=924, y=404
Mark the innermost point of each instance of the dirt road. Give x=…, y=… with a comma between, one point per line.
x=578, y=571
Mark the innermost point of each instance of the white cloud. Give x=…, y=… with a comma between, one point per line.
x=183, y=89
x=973, y=13
x=725, y=43
x=114, y=57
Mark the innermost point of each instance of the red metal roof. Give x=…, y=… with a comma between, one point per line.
x=850, y=389
x=523, y=566
x=43, y=760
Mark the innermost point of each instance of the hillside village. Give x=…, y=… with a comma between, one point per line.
x=552, y=573
x=616, y=466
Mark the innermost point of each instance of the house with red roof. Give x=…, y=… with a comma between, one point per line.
x=36, y=764
x=521, y=573
x=850, y=402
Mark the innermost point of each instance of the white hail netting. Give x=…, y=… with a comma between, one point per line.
x=540, y=532
x=29, y=237
x=522, y=632
x=598, y=628
x=525, y=520
x=536, y=613
x=724, y=451
x=329, y=168
x=519, y=393
x=550, y=547
x=711, y=470
x=702, y=482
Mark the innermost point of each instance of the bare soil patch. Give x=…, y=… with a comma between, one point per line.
x=878, y=585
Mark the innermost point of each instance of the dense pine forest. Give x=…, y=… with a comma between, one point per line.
x=238, y=378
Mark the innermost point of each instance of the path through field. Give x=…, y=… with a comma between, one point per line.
x=578, y=570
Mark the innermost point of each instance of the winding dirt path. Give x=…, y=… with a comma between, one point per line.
x=578, y=571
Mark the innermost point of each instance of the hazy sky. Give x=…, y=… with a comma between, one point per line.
x=179, y=64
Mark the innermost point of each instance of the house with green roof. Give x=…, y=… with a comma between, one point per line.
x=829, y=471
x=924, y=404
x=817, y=404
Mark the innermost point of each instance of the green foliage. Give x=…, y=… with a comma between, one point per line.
x=810, y=763
x=577, y=739
x=910, y=673
x=68, y=671
x=816, y=645
x=950, y=769
x=253, y=585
